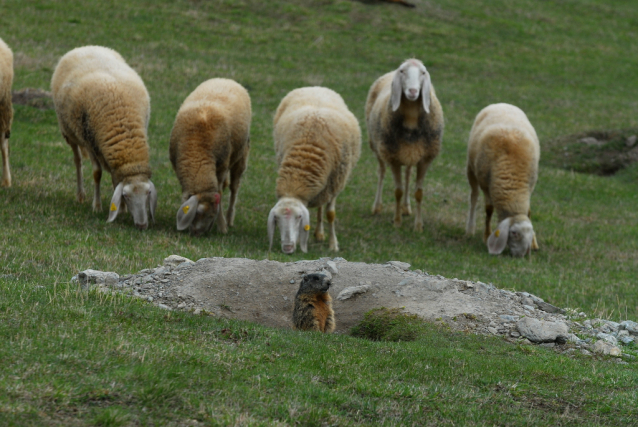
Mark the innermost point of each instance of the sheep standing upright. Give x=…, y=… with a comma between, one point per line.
x=103, y=109
x=317, y=142
x=6, y=109
x=502, y=159
x=405, y=127
x=210, y=141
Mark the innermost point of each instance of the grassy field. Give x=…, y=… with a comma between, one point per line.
x=75, y=359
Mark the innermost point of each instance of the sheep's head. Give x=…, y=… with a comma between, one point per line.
x=293, y=220
x=199, y=212
x=412, y=80
x=139, y=194
x=516, y=232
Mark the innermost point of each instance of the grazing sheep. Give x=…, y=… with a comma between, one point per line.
x=405, y=127
x=209, y=141
x=6, y=109
x=502, y=158
x=318, y=142
x=103, y=110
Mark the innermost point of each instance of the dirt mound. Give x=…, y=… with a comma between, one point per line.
x=596, y=152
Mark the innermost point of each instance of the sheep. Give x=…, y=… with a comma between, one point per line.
x=502, y=159
x=210, y=141
x=317, y=144
x=6, y=109
x=103, y=111
x=405, y=127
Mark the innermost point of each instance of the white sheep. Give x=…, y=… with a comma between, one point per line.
x=6, y=109
x=210, y=144
x=405, y=128
x=502, y=159
x=103, y=110
x=317, y=142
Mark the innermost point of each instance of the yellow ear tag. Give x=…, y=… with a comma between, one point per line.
x=497, y=233
x=306, y=227
x=185, y=209
x=113, y=207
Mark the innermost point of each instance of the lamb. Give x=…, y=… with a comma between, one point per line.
x=317, y=143
x=6, y=109
x=103, y=111
x=502, y=159
x=210, y=141
x=405, y=127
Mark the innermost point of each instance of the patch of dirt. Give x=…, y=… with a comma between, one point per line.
x=32, y=97
x=599, y=152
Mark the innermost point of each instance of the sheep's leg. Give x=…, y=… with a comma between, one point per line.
x=331, y=215
x=406, y=210
x=235, y=179
x=222, y=227
x=97, y=178
x=470, y=228
x=421, y=170
x=77, y=159
x=6, y=172
x=489, y=210
x=378, y=205
x=534, y=242
x=398, y=193
x=319, y=235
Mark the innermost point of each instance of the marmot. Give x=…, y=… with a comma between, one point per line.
x=313, y=305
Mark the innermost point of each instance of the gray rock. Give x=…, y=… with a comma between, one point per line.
x=629, y=326
x=548, y=344
x=605, y=348
x=348, y=293
x=626, y=339
x=536, y=299
x=160, y=270
x=492, y=330
x=541, y=331
x=514, y=334
x=88, y=278
x=548, y=308
x=400, y=265
x=607, y=337
x=527, y=301
x=175, y=260
x=332, y=267
x=164, y=306
x=585, y=352
x=184, y=265
x=631, y=141
x=590, y=140
x=508, y=318
x=528, y=307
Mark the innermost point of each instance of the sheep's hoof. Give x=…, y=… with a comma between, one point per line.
x=376, y=209
x=397, y=223
x=81, y=197
x=97, y=207
x=418, y=227
x=406, y=210
x=5, y=183
x=334, y=246
x=320, y=237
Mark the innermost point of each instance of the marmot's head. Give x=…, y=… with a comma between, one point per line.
x=314, y=283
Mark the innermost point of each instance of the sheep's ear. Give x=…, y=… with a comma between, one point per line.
x=186, y=213
x=153, y=201
x=304, y=229
x=396, y=90
x=116, y=201
x=271, y=227
x=498, y=239
x=425, y=91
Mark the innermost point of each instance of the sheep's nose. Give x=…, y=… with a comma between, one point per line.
x=413, y=92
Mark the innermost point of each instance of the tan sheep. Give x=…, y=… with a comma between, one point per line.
x=103, y=110
x=502, y=159
x=210, y=144
x=405, y=128
x=317, y=142
x=6, y=109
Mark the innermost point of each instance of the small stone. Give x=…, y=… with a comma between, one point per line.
x=164, y=306
x=292, y=281
x=160, y=270
x=160, y=295
x=609, y=338
x=585, y=352
x=150, y=299
x=622, y=333
x=541, y=331
x=631, y=141
x=197, y=311
x=629, y=326
x=348, y=293
x=528, y=307
x=89, y=277
x=548, y=308
x=515, y=334
x=184, y=265
x=508, y=318
x=175, y=260
x=492, y=330
x=400, y=265
x=590, y=140
x=603, y=347
x=626, y=339
x=332, y=267
x=181, y=305
x=547, y=344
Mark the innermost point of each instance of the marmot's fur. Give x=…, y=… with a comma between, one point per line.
x=313, y=305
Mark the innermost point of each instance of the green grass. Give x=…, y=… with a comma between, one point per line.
x=75, y=359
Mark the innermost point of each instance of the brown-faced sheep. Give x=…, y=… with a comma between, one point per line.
x=317, y=142
x=405, y=127
x=103, y=109
x=210, y=144
x=6, y=109
x=502, y=159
